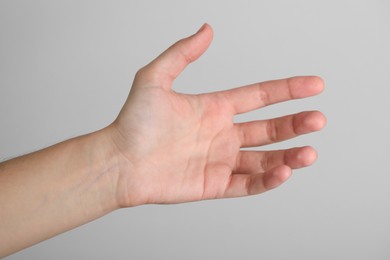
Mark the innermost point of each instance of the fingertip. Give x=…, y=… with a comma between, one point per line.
x=314, y=84
x=318, y=84
x=300, y=157
x=318, y=120
x=277, y=176
x=205, y=27
x=209, y=28
x=283, y=172
x=310, y=121
x=208, y=32
x=307, y=155
x=305, y=86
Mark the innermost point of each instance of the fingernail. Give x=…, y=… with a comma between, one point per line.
x=202, y=28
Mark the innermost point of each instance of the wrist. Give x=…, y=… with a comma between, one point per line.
x=104, y=164
x=116, y=166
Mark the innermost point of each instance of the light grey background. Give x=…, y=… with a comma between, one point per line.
x=66, y=68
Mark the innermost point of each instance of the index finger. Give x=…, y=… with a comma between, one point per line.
x=254, y=96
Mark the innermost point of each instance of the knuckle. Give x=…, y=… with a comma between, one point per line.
x=291, y=85
x=248, y=185
x=263, y=95
x=264, y=163
x=238, y=162
x=242, y=134
x=148, y=75
x=140, y=73
x=272, y=130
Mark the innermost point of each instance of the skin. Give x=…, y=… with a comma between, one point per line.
x=164, y=147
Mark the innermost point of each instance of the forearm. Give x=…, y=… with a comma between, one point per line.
x=56, y=189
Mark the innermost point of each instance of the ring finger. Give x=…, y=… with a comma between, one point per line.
x=262, y=132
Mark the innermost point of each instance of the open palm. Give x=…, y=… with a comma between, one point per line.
x=177, y=148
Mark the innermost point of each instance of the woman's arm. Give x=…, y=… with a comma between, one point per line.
x=45, y=193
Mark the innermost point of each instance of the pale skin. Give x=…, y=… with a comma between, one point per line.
x=164, y=147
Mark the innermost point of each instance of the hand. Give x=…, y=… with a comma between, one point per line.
x=177, y=148
x=164, y=147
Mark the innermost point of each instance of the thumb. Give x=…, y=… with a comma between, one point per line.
x=163, y=70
